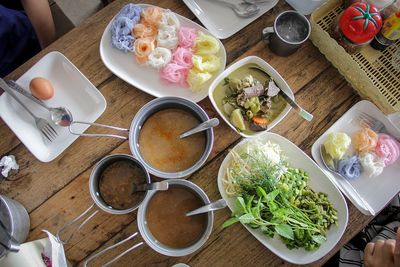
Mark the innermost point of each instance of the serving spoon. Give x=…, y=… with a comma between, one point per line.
x=302, y=112
x=201, y=127
x=157, y=186
x=61, y=116
x=330, y=164
x=216, y=205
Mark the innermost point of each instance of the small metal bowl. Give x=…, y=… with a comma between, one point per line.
x=163, y=103
x=95, y=180
x=161, y=248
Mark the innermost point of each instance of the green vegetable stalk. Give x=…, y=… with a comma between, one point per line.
x=280, y=202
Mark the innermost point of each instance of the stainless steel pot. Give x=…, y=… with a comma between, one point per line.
x=140, y=118
x=96, y=196
x=14, y=225
x=163, y=249
x=149, y=238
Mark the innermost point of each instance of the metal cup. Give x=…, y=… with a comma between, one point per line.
x=14, y=225
x=290, y=30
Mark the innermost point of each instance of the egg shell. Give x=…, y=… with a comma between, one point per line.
x=41, y=88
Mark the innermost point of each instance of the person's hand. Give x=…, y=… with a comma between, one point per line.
x=383, y=253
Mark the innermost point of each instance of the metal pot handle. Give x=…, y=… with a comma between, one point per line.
x=74, y=221
x=98, y=125
x=13, y=245
x=113, y=246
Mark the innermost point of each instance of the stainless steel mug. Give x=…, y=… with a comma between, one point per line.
x=14, y=225
x=290, y=30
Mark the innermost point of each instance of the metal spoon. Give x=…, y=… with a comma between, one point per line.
x=158, y=186
x=60, y=116
x=243, y=10
x=201, y=127
x=302, y=112
x=216, y=205
x=330, y=164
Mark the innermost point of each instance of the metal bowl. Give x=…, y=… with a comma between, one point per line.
x=95, y=179
x=163, y=103
x=161, y=248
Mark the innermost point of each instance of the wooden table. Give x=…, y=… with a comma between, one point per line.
x=56, y=192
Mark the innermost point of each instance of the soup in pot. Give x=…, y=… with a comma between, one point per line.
x=116, y=184
x=161, y=146
x=167, y=220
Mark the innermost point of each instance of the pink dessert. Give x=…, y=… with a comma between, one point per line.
x=387, y=148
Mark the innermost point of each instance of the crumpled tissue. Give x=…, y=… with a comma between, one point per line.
x=8, y=163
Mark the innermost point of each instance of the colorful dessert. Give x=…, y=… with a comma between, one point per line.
x=183, y=55
x=122, y=25
x=337, y=144
x=349, y=168
x=387, y=148
x=372, y=164
x=364, y=140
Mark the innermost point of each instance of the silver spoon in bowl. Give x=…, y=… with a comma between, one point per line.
x=201, y=127
x=61, y=116
x=302, y=112
x=158, y=186
x=330, y=164
x=216, y=205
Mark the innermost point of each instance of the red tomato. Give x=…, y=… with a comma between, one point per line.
x=360, y=22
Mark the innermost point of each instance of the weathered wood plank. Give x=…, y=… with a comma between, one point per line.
x=56, y=192
x=122, y=111
x=222, y=248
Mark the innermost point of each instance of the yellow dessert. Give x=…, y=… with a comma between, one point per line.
x=336, y=144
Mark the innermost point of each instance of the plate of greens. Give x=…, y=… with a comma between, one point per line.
x=283, y=198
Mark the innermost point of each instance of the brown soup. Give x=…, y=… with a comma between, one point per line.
x=161, y=146
x=116, y=184
x=167, y=220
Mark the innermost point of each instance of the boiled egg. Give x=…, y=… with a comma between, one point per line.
x=41, y=88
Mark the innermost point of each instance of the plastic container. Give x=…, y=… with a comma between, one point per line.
x=370, y=72
x=305, y=7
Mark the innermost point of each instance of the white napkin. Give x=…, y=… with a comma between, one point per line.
x=7, y=163
x=55, y=251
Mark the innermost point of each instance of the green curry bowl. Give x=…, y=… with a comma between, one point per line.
x=247, y=96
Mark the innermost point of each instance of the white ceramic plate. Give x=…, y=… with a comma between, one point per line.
x=271, y=71
x=221, y=20
x=146, y=78
x=377, y=191
x=318, y=181
x=72, y=90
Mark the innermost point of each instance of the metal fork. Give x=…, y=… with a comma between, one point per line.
x=375, y=124
x=43, y=125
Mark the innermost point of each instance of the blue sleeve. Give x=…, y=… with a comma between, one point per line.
x=18, y=41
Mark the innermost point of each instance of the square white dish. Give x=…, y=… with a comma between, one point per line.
x=376, y=191
x=146, y=78
x=318, y=181
x=71, y=90
x=221, y=20
x=280, y=82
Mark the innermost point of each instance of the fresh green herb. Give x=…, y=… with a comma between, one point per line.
x=276, y=199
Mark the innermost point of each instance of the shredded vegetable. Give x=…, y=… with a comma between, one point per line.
x=275, y=198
